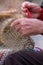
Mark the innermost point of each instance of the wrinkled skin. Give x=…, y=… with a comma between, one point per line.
x=33, y=8
x=28, y=26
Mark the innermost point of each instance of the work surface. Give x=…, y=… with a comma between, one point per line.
x=38, y=39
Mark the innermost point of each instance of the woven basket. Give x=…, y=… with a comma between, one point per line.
x=13, y=39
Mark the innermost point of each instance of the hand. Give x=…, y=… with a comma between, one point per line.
x=28, y=26
x=34, y=8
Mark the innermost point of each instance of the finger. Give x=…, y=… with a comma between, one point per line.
x=16, y=22
x=35, y=15
x=24, y=5
x=25, y=32
x=23, y=9
x=33, y=5
x=18, y=27
x=28, y=4
x=36, y=9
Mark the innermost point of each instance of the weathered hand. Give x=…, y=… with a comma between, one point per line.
x=28, y=26
x=33, y=7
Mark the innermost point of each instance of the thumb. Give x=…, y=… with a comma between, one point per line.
x=24, y=5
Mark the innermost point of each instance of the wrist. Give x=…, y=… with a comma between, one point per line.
x=41, y=28
x=41, y=14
